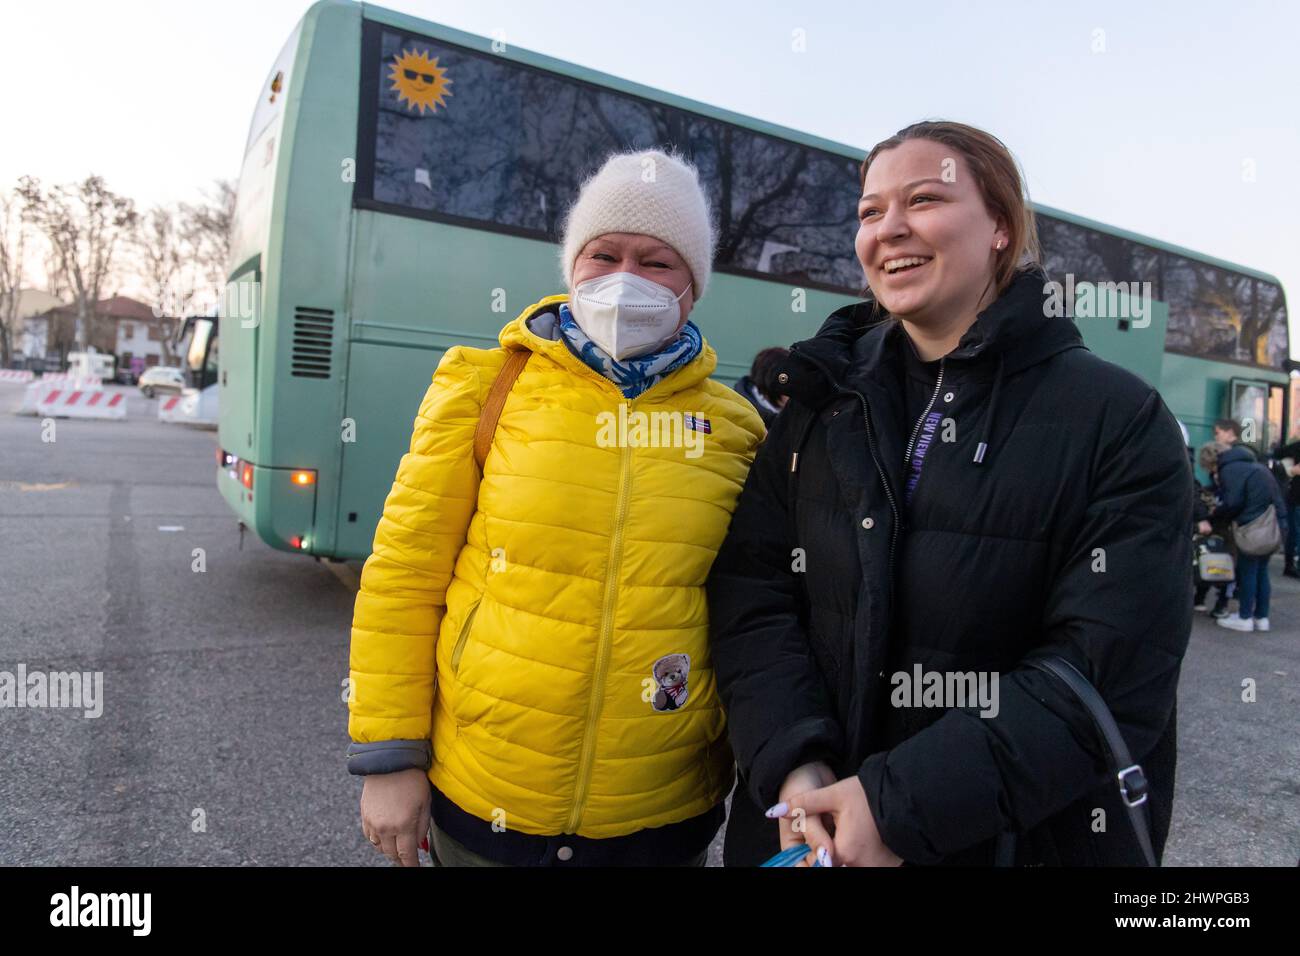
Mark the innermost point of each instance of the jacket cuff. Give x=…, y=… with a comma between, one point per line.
x=389, y=756
x=902, y=841
x=813, y=738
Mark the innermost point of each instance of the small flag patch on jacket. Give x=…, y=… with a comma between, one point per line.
x=699, y=423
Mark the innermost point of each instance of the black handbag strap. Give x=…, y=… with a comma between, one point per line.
x=1131, y=780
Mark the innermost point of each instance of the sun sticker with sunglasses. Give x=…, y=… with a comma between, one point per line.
x=418, y=81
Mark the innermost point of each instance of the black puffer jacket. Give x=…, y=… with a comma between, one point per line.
x=1068, y=533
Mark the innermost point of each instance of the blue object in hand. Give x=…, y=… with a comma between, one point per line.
x=791, y=856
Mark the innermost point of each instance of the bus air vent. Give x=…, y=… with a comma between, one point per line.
x=313, y=342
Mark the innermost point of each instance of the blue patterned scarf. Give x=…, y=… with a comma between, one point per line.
x=635, y=375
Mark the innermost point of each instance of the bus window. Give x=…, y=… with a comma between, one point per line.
x=210, y=366
x=1248, y=403
x=1273, y=347
x=1276, y=402
x=1293, y=410
x=1094, y=256
x=198, y=345
x=488, y=142
x=1211, y=310
x=252, y=215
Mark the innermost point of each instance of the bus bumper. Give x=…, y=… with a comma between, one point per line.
x=278, y=504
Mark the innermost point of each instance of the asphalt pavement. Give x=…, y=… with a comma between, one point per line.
x=223, y=729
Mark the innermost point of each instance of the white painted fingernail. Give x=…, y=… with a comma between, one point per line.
x=779, y=810
x=823, y=856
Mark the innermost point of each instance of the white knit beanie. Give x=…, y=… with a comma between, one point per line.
x=650, y=193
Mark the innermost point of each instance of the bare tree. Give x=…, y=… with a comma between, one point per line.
x=160, y=246
x=206, y=227
x=85, y=223
x=56, y=283
x=13, y=238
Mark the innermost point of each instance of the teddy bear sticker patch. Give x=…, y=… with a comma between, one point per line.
x=670, y=673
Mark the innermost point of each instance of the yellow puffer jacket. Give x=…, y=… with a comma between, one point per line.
x=574, y=690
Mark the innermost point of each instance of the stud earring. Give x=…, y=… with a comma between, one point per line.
x=998, y=247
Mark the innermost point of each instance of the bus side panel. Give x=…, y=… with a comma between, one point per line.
x=418, y=288
x=383, y=421
x=1135, y=344
x=421, y=287
x=1197, y=392
x=237, y=377
x=740, y=317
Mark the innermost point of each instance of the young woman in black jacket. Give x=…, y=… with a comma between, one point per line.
x=956, y=485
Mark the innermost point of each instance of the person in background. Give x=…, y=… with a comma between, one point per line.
x=1246, y=489
x=1208, y=521
x=760, y=385
x=1292, y=487
x=1227, y=431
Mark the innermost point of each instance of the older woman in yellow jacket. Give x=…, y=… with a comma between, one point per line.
x=530, y=660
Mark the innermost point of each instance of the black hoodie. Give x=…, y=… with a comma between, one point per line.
x=1051, y=512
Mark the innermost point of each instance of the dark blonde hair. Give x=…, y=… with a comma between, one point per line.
x=1208, y=455
x=999, y=180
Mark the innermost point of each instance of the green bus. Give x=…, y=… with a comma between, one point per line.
x=402, y=189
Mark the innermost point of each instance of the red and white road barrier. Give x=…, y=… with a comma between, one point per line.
x=190, y=407
x=73, y=402
x=21, y=376
x=68, y=378
x=84, y=403
x=171, y=409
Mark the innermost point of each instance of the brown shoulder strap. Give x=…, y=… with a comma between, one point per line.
x=516, y=359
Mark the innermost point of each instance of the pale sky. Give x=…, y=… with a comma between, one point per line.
x=1156, y=133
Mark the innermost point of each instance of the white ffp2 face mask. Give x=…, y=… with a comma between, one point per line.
x=626, y=315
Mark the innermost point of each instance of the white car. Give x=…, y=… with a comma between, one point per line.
x=161, y=378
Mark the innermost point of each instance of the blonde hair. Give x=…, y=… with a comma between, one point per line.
x=1208, y=455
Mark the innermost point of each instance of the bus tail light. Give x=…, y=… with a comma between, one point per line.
x=302, y=478
x=246, y=476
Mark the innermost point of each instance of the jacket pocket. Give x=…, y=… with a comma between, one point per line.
x=463, y=638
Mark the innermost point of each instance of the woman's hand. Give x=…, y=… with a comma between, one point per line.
x=395, y=813
x=857, y=841
x=801, y=828
x=1204, y=527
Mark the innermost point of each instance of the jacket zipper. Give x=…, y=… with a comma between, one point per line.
x=916, y=431
x=884, y=480
x=585, y=760
x=875, y=458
